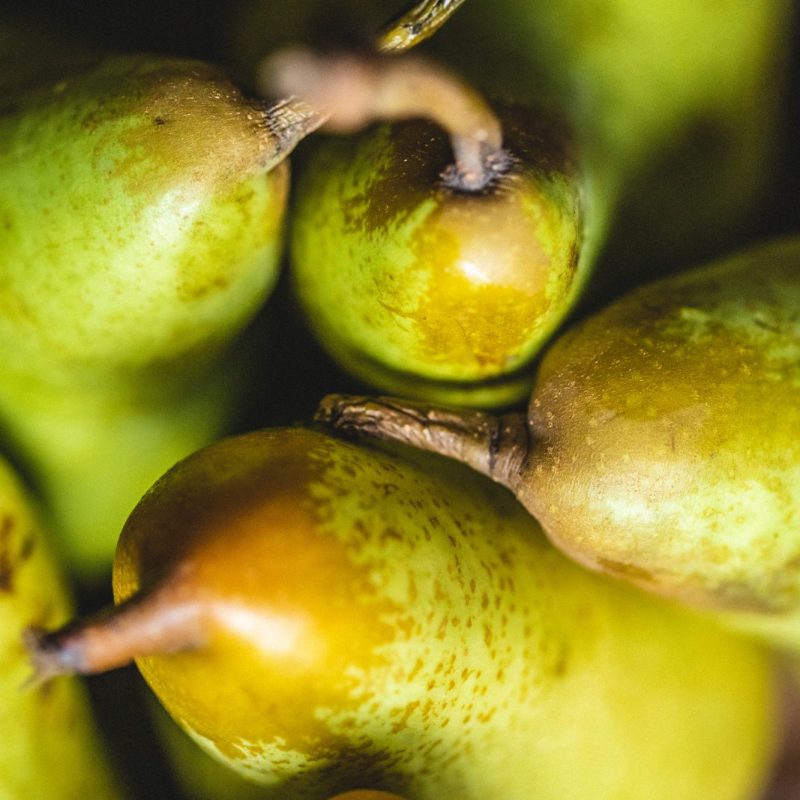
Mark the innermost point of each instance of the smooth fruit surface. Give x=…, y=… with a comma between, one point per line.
x=663, y=430
x=137, y=222
x=141, y=206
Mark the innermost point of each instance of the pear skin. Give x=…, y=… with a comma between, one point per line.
x=323, y=617
x=675, y=414
x=674, y=144
x=51, y=748
x=141, y=207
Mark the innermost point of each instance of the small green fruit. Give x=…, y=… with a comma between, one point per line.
x=422, y=288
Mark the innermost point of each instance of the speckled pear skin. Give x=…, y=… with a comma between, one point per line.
x=425, y=291
x=50, y=746
x=140, y=227
x=664, y=437
x=375, y=623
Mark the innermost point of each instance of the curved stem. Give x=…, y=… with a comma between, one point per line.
x=495, y=446
x=415, y=25
x=352, y=91
x=162, y=621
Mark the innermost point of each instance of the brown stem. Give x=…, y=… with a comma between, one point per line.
x=415, y=25
x=352, y=91
x=496, y=446
x=162, y=621
x=288, y=123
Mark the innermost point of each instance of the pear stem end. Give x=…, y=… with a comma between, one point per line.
x=495, y=446
x=166, y=620
x=352, y=91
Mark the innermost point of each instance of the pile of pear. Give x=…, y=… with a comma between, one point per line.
x=660, y=445
x=323, y=616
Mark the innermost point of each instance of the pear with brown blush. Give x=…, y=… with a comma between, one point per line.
x=323, y=617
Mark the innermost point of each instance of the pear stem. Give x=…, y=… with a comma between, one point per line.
x=287, y=122
x=415, y=25
x=495, y=446
x=161, y=621
x=352, y=91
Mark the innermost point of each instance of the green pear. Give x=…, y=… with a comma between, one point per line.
x=323, y=617
x=51, y=748
x=661, y=441
x=141, y=206
x=424, y=289
x=671, y=144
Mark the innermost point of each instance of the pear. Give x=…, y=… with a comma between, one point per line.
x=449, y=298
x=325, y=617
x=661, y=440
x=434, y=262
x=141, y=207
x=51, y=748
x=428, y=291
